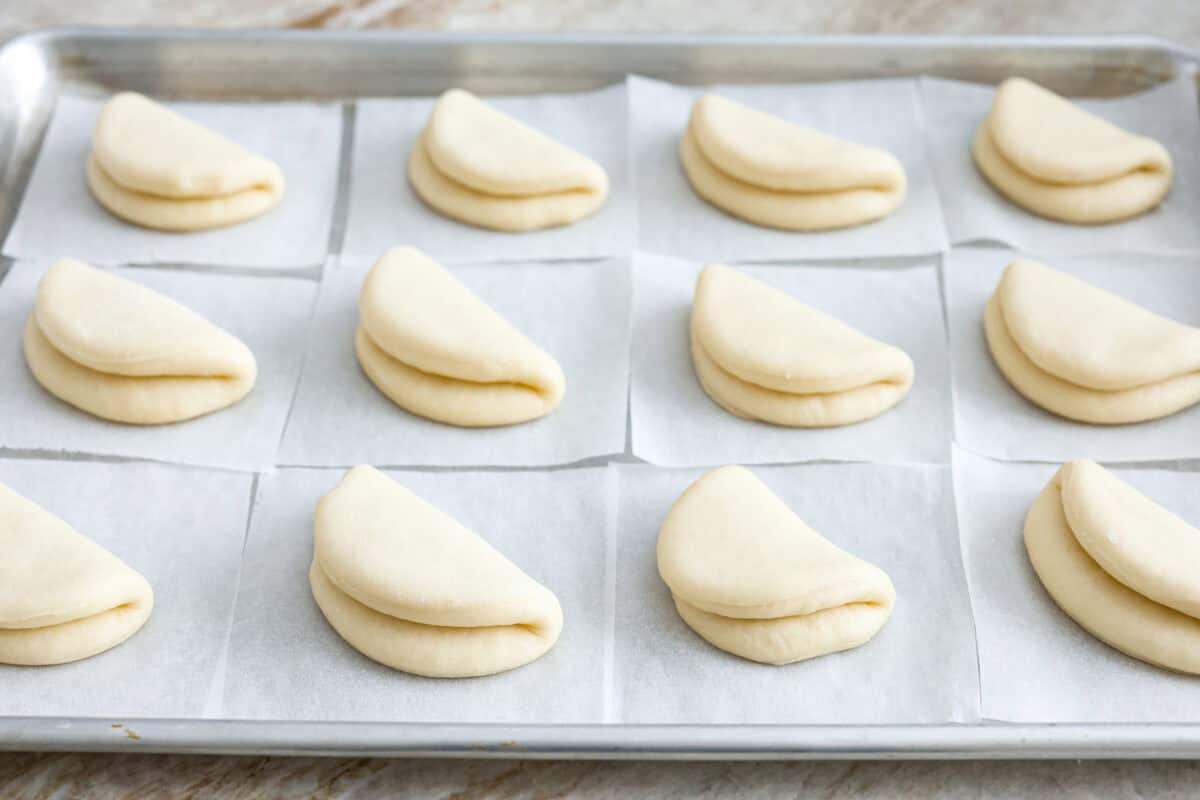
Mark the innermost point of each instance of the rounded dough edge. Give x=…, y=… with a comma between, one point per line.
x=728, y=308
x=465, y=122
x=718, y=127
x=1010, y=118
x=419, y=313
x=1139, y=543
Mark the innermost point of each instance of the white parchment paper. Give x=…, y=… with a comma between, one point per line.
x=271, y=315
x=676, y=424
x=384, y=210
x=180, y=527
x=1036, y=664
x=993, y=419
x=919, y=668
x=579, y=312
x=674, y=220
x=58, y=215
x=286, y=662
x=975, y=211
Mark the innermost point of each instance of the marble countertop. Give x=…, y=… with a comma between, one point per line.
x=1177, y=19
x=33, y=776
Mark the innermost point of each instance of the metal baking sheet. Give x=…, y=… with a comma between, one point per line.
x=294, y=65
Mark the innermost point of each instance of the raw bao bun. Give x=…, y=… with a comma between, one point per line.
x=156, y=168
x=435, y=349
x=62, y=596
x=775, y=173
x=478, y=165
x=751, y=578
x=761, y=354
x=1055, y=159
x=122, y=352
x=411, y=588
x=1119, y=564
x=1086, y=354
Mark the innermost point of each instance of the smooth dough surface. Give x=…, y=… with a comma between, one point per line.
x=158, y=169
x=437, y=350
x=412, y=588
x=478, y=165
x=751, y=578
x=772, y=172
x=62, y=596
x=123, y=352
x=1055, y=159
x=1086, y=510
x=761, y=354
x=1132, y=538
x=1085, y=353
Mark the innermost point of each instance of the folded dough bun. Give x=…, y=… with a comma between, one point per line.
x=437, y=350
x=478, y=165
x=772, y=172
x=158, y=169
x=751, y=578
x=1055, y=159
x=1087, y=354
x=62, y=596
x=1120, y=565
x=411, y=588
x=761, y=354
x=123, y=352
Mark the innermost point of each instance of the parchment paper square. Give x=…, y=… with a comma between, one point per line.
x=59, y=217
x=286, y=662
x=920, y=668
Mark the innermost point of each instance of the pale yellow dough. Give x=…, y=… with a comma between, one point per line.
x=62, y=596
x=158, y=169
x=411, y=588
x=1087, y=354
x=772, y=172
x=478, y=165
x=761, y=354
x=1118, y=564
x=751, y=578
x=123, y=352
x=1055, y=159
x=437, y=350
